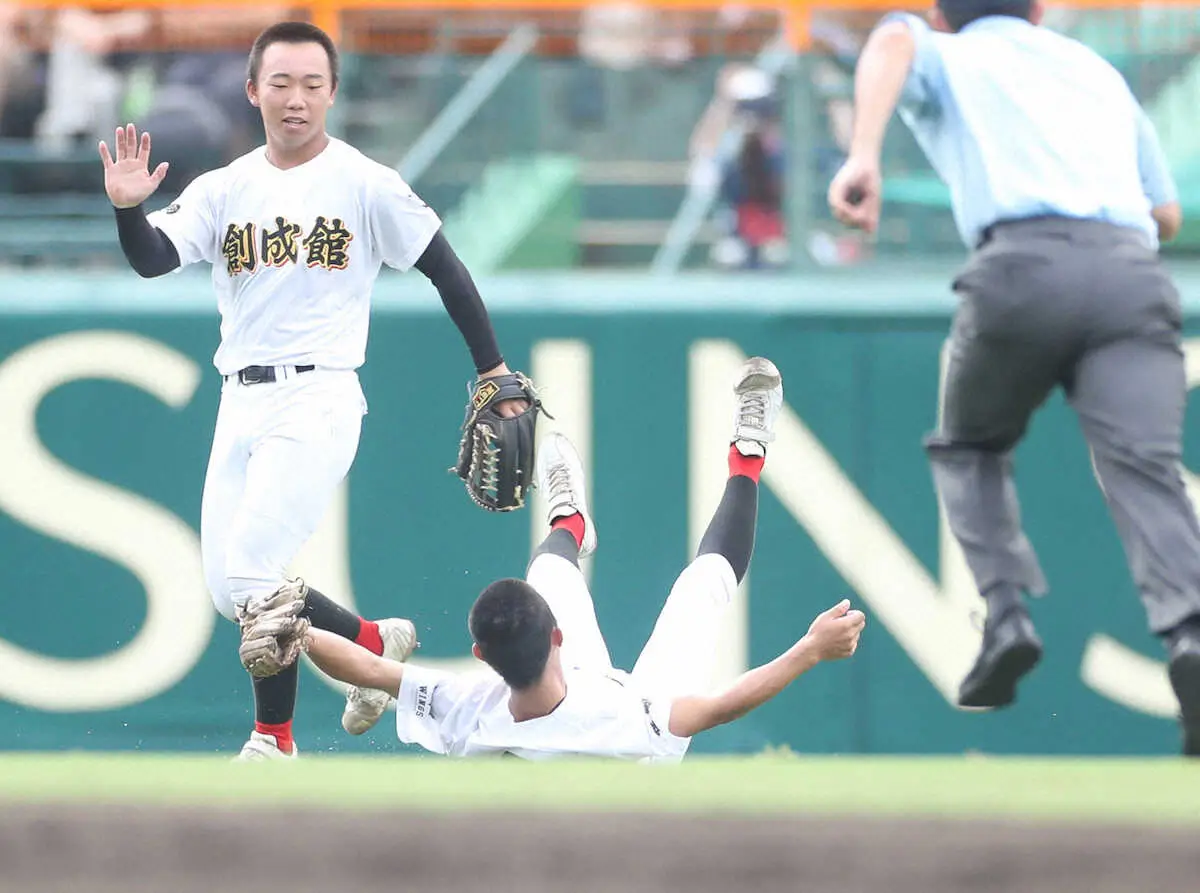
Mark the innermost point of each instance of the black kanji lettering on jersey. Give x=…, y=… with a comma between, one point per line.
x=239, y=249
x=328, y=244
x=279, y=246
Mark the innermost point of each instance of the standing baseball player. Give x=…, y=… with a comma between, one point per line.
x=549, y=688
x=296, y=232
x=1061, y=191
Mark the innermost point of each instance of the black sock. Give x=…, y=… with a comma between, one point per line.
x=324, y=613
x=1002, y=599
x=275, y=696
x=560, y=542
x=731, y=531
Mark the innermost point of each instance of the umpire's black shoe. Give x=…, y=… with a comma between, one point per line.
x=1011, y=648
x=1183, y=666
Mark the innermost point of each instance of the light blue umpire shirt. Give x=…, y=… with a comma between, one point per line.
x=1019, y=121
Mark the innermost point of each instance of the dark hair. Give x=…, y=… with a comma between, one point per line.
x=960, y=13
x=291, y=32
x=760, y=183
x=512, y=624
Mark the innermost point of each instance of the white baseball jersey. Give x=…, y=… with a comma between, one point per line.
x=602, y=715
x=295, y=252
x=606, y=712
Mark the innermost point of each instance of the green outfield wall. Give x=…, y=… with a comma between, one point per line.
x=108, y=397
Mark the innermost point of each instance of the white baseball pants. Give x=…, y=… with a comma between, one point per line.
x=679, y=657
x=279, y=452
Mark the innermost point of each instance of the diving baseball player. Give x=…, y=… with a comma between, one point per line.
x=549, y=688
x=296, y=233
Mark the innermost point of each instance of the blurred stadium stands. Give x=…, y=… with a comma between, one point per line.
x=577, y=151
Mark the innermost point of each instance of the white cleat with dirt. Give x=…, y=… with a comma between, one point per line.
x=560, y=477
x=364, y=706
x=759, y=392
x=262, y=747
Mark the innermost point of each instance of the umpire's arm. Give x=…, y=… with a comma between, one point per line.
x=1157, y=181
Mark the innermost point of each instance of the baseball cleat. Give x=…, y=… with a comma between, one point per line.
x=560, y=477
x=262, y=747
x=759, y=392
x=364, y=706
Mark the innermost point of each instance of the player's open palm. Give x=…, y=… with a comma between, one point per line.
x=127, y=177
x=834, y=634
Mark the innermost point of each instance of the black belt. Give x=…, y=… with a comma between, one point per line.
x=262, y=374
x=1046, y=223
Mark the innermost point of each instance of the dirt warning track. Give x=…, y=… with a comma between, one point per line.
x=134, y=849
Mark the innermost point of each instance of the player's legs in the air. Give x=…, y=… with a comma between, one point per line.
x=678, y=659
x=554, y=570
x=279, y=453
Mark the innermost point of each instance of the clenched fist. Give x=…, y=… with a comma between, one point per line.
x=835, y=633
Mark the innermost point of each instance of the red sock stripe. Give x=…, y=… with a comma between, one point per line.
x=573, y=524
x=368, y=636
x=281, y=731
x=746, y=466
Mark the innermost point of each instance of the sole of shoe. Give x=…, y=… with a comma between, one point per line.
x=1185, y=679
x=360, y=720
x=999, y=687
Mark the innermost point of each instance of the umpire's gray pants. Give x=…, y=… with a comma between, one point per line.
x=1089, y=307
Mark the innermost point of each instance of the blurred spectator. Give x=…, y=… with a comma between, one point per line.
x=22, y=82
x=180, y=74
x=83, y=85
x=739, y=143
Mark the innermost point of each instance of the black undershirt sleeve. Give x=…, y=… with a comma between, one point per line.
x=461, y=299
x=146, y=247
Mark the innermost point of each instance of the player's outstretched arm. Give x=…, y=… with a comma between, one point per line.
x=128, y=182
x=349, y=662
x=833, y=635
x=449, y=275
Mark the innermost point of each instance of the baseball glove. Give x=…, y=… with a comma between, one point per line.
x=273, y=632
x=495, y=454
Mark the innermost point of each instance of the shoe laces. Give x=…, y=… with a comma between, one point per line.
x=753, y=409
x=558, y=480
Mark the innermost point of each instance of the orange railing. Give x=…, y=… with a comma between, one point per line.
x=796, y=14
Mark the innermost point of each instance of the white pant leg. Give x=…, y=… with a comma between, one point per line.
x=307, y=436
x=565, y=590
x=223, y=485
x=680, y=654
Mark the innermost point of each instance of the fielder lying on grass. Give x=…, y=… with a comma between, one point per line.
x=549, y=688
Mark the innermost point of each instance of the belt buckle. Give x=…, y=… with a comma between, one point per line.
x=256, y=374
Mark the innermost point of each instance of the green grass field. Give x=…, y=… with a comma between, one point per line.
x=1165, y=791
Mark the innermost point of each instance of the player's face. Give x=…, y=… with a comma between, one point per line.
x=294, y=92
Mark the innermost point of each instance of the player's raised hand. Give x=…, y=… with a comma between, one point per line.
x=127, y=178
x=834, y=633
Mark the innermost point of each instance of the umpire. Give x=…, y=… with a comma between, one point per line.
x=1060, y=189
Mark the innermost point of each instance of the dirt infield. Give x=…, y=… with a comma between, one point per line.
x=131, y=850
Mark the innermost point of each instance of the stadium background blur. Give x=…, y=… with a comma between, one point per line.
x=639, y=189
